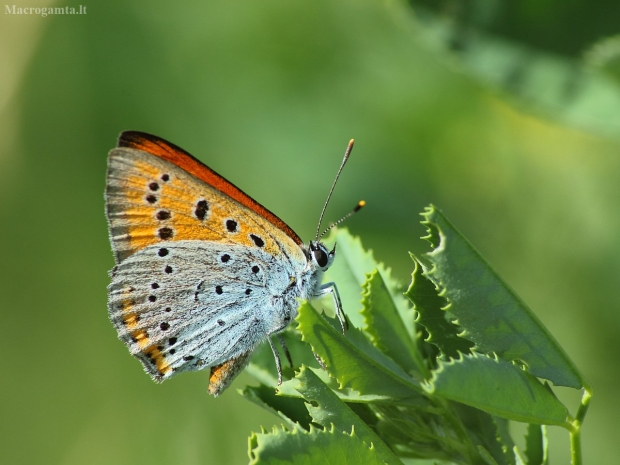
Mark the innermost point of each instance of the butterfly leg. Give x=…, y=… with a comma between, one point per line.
x=330, y=288
x=286, y=352
x=276, y=355
x=318, y=359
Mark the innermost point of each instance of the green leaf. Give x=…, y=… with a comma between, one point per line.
x=488, y=432
x=298, y=447
x=344, y=394
x=504, y=440
x=292, y=411
x=493, y=316
x=385, y=326
x=536, y=445
x=429, y=305
x=497, y=387
x=326, y=408
x=349, y=270
x=518, y=458
x=486, y=456
x=354, y=362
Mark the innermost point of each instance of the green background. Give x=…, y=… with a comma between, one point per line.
x=268, y=94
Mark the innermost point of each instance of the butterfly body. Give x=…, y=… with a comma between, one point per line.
x=204, y=273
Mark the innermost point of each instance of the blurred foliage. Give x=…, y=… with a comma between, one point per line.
x=555, y=26
x=268, y=94
x=516, y=50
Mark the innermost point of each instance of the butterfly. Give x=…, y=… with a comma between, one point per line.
x=203, y=272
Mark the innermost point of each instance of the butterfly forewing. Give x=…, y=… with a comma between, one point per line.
x=150, y=200
x=165, y=150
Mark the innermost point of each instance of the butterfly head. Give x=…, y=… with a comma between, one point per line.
x=320, y=255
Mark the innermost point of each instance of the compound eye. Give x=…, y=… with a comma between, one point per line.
x=320, y=257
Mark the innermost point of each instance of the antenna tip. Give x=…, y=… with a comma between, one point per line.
x=360, y=205
x=347, y=152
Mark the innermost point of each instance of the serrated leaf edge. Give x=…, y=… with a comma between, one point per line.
x=441, y=292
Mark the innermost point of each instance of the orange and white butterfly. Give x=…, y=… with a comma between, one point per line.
x=203, y=272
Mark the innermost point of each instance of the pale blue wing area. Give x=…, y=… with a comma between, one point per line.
x=201, y=303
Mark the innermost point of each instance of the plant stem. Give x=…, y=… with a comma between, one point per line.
x=583, y=408
x=575, y=430
x=575, y=447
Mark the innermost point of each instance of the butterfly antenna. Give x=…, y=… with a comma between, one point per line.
x=344, y=160
x=358, y=207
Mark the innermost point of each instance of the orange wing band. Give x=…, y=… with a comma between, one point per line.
x=170, y=152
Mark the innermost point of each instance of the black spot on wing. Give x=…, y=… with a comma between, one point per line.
x=201, y=210
x=163, y=215
x=165, y=233
x=232, y=226
x=259, y=242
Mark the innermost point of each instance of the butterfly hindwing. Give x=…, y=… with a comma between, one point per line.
x=188, y=305
x=223, y=374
